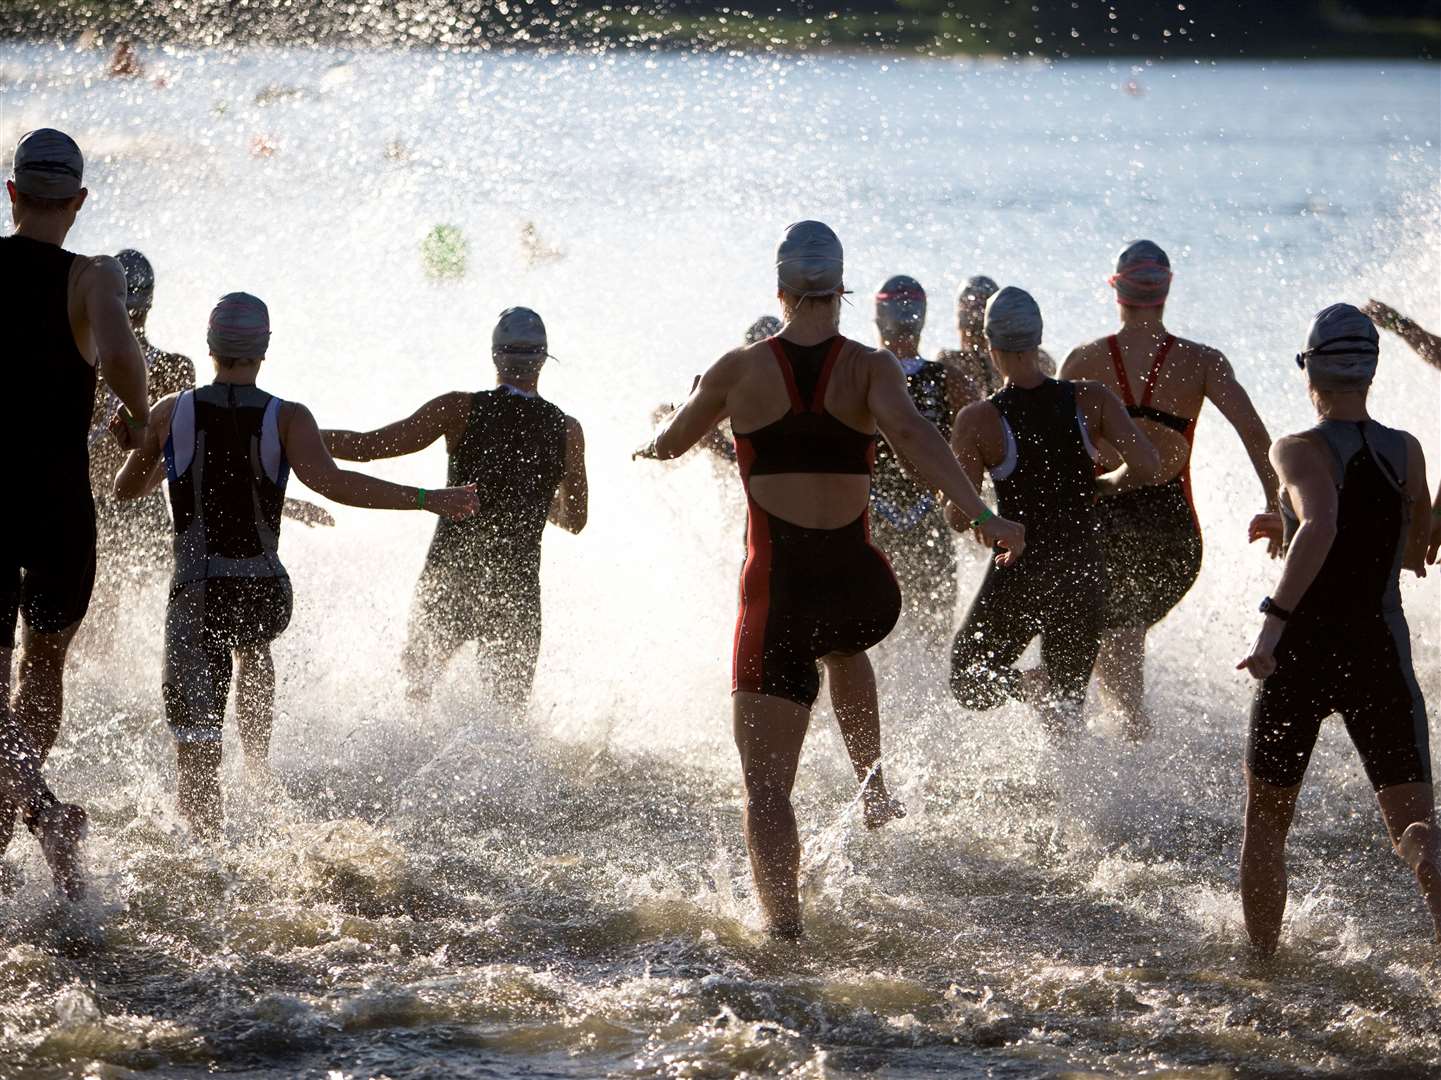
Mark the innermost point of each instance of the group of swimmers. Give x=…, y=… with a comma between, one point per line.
x=1094, y=537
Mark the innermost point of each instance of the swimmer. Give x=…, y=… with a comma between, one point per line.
x=134, y=536
x=907, y=522
x=481, y=580
x=805, y=406
x=66, y=318
x=226, y=451
x=1150, y=534
x=1334, y=637
x=1034, y=437
x=970, y=365
x=1427, y=346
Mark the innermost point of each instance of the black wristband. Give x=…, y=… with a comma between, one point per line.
x=1270, y=607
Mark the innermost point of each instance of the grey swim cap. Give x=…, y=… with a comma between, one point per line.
x=48, y=164
x=764, y=327
x=139, y=281
x=239, y=327
x=1341, y=349
x=809, y=260
x=901, y=303
x=979, y=287
x=1143, y=275
x=519, y=336
x=1013, y=320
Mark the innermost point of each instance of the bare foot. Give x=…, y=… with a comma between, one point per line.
x=789, y=933
x=881, y=807
x=60, y=828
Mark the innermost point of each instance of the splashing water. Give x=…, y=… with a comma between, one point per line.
x=448, y=893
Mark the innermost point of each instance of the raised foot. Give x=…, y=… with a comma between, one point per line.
x=882, y=808
x=60, y=828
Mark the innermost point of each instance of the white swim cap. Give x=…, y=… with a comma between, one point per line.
x=764, y=327
x=1342, y=348
x=809, y=260
x=1013, y=320
x=239, y=327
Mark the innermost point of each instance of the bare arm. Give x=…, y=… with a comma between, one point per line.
x=1141, y=464
x=1418, y=532
x=1231, y=399
x=693, y=421
x=143, y=467
x=1426, y=344
x=916, y=440
x=1071, y=367
x=317, y=470
x=445, y=415
x=571, y=506
x=1305, y=470
x=1433, y=548
x=117, y=353
x=969, y=434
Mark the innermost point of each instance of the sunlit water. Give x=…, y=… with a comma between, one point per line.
x=450, y=894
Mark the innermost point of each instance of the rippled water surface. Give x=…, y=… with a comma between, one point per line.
x=449, y=893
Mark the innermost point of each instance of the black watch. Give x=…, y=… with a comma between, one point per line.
x=1270, y=607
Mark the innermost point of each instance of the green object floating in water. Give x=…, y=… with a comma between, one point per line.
x=443, y=251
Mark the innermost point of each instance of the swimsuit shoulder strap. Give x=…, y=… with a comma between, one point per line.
x=1119, y=363
x=1156, y=365
x=818, y=400
x=788, y=373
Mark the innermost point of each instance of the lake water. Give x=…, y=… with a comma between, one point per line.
x=450, y=894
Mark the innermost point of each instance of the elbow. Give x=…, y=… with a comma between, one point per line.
x=577, y=523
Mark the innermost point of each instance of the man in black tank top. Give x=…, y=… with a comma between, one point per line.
x=64, y=315
x=1354, y=513
x=1034, y=437
x=481, y=580
x=906, y=519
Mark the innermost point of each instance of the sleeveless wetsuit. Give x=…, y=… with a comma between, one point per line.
x=1151, y=536
x=907, y=522
x=1047, y=483
x=47, y=542
x=1346, y=648
x=806, y=593
x=481, y=580
x=227, y=473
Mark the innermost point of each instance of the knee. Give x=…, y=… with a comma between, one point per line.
x=766, y=799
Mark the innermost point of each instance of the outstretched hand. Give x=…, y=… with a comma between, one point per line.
x=1008, y=535
x=126, y=436
x=453, y=503
x=645, y=453
x=1267, y=526
x=1384, y=315
x=1261, y=660
x=307, y=513
x=1433, y=546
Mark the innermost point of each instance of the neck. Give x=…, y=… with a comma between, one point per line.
x=1341, y=405
x=1142, y=318
x=528, y=383
x=238, y=374
x=46, y=228
x=811, y=324
x=1023, y=370
x=903, y=348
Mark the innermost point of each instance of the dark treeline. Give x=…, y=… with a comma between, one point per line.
x=1045, y=28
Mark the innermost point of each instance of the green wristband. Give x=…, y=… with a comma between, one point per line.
x=984, y=516
x=420, y=498
x=133, y=424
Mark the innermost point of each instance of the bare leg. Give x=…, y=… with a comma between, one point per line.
x=858, y=714
x=197, y=764
x=1269, y=810
x=1121, y=668
x=255, y=704
x=9, y=797
x=1408, y=810
x=769, y=733
x=39, y=697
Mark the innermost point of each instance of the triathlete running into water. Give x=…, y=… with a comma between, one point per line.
x=481, y=580
x=805, y=406
x=1334, y=639
x=1034, y=437
x=1150, y=535
x=64, y=316
x=1428, y=347
x=906, y=519
x=973, y=375
x=226, y=451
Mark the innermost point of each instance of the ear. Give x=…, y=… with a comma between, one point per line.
x=10, y=187
x=80, y=198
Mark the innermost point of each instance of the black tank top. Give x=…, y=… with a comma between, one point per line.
x=513, y=451
x=1362, y=572
x=807, y=439
x=227, y=473
x=1047, y=480
x=899, y=499
x=50, y=385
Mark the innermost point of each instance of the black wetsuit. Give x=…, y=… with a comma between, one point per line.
x=47, y=543
x=1047, y=483
x=907, y=522
x=1346, y=648
x=481, y=580
x=806, y=593
x=227, y=473
x=1151, y=535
